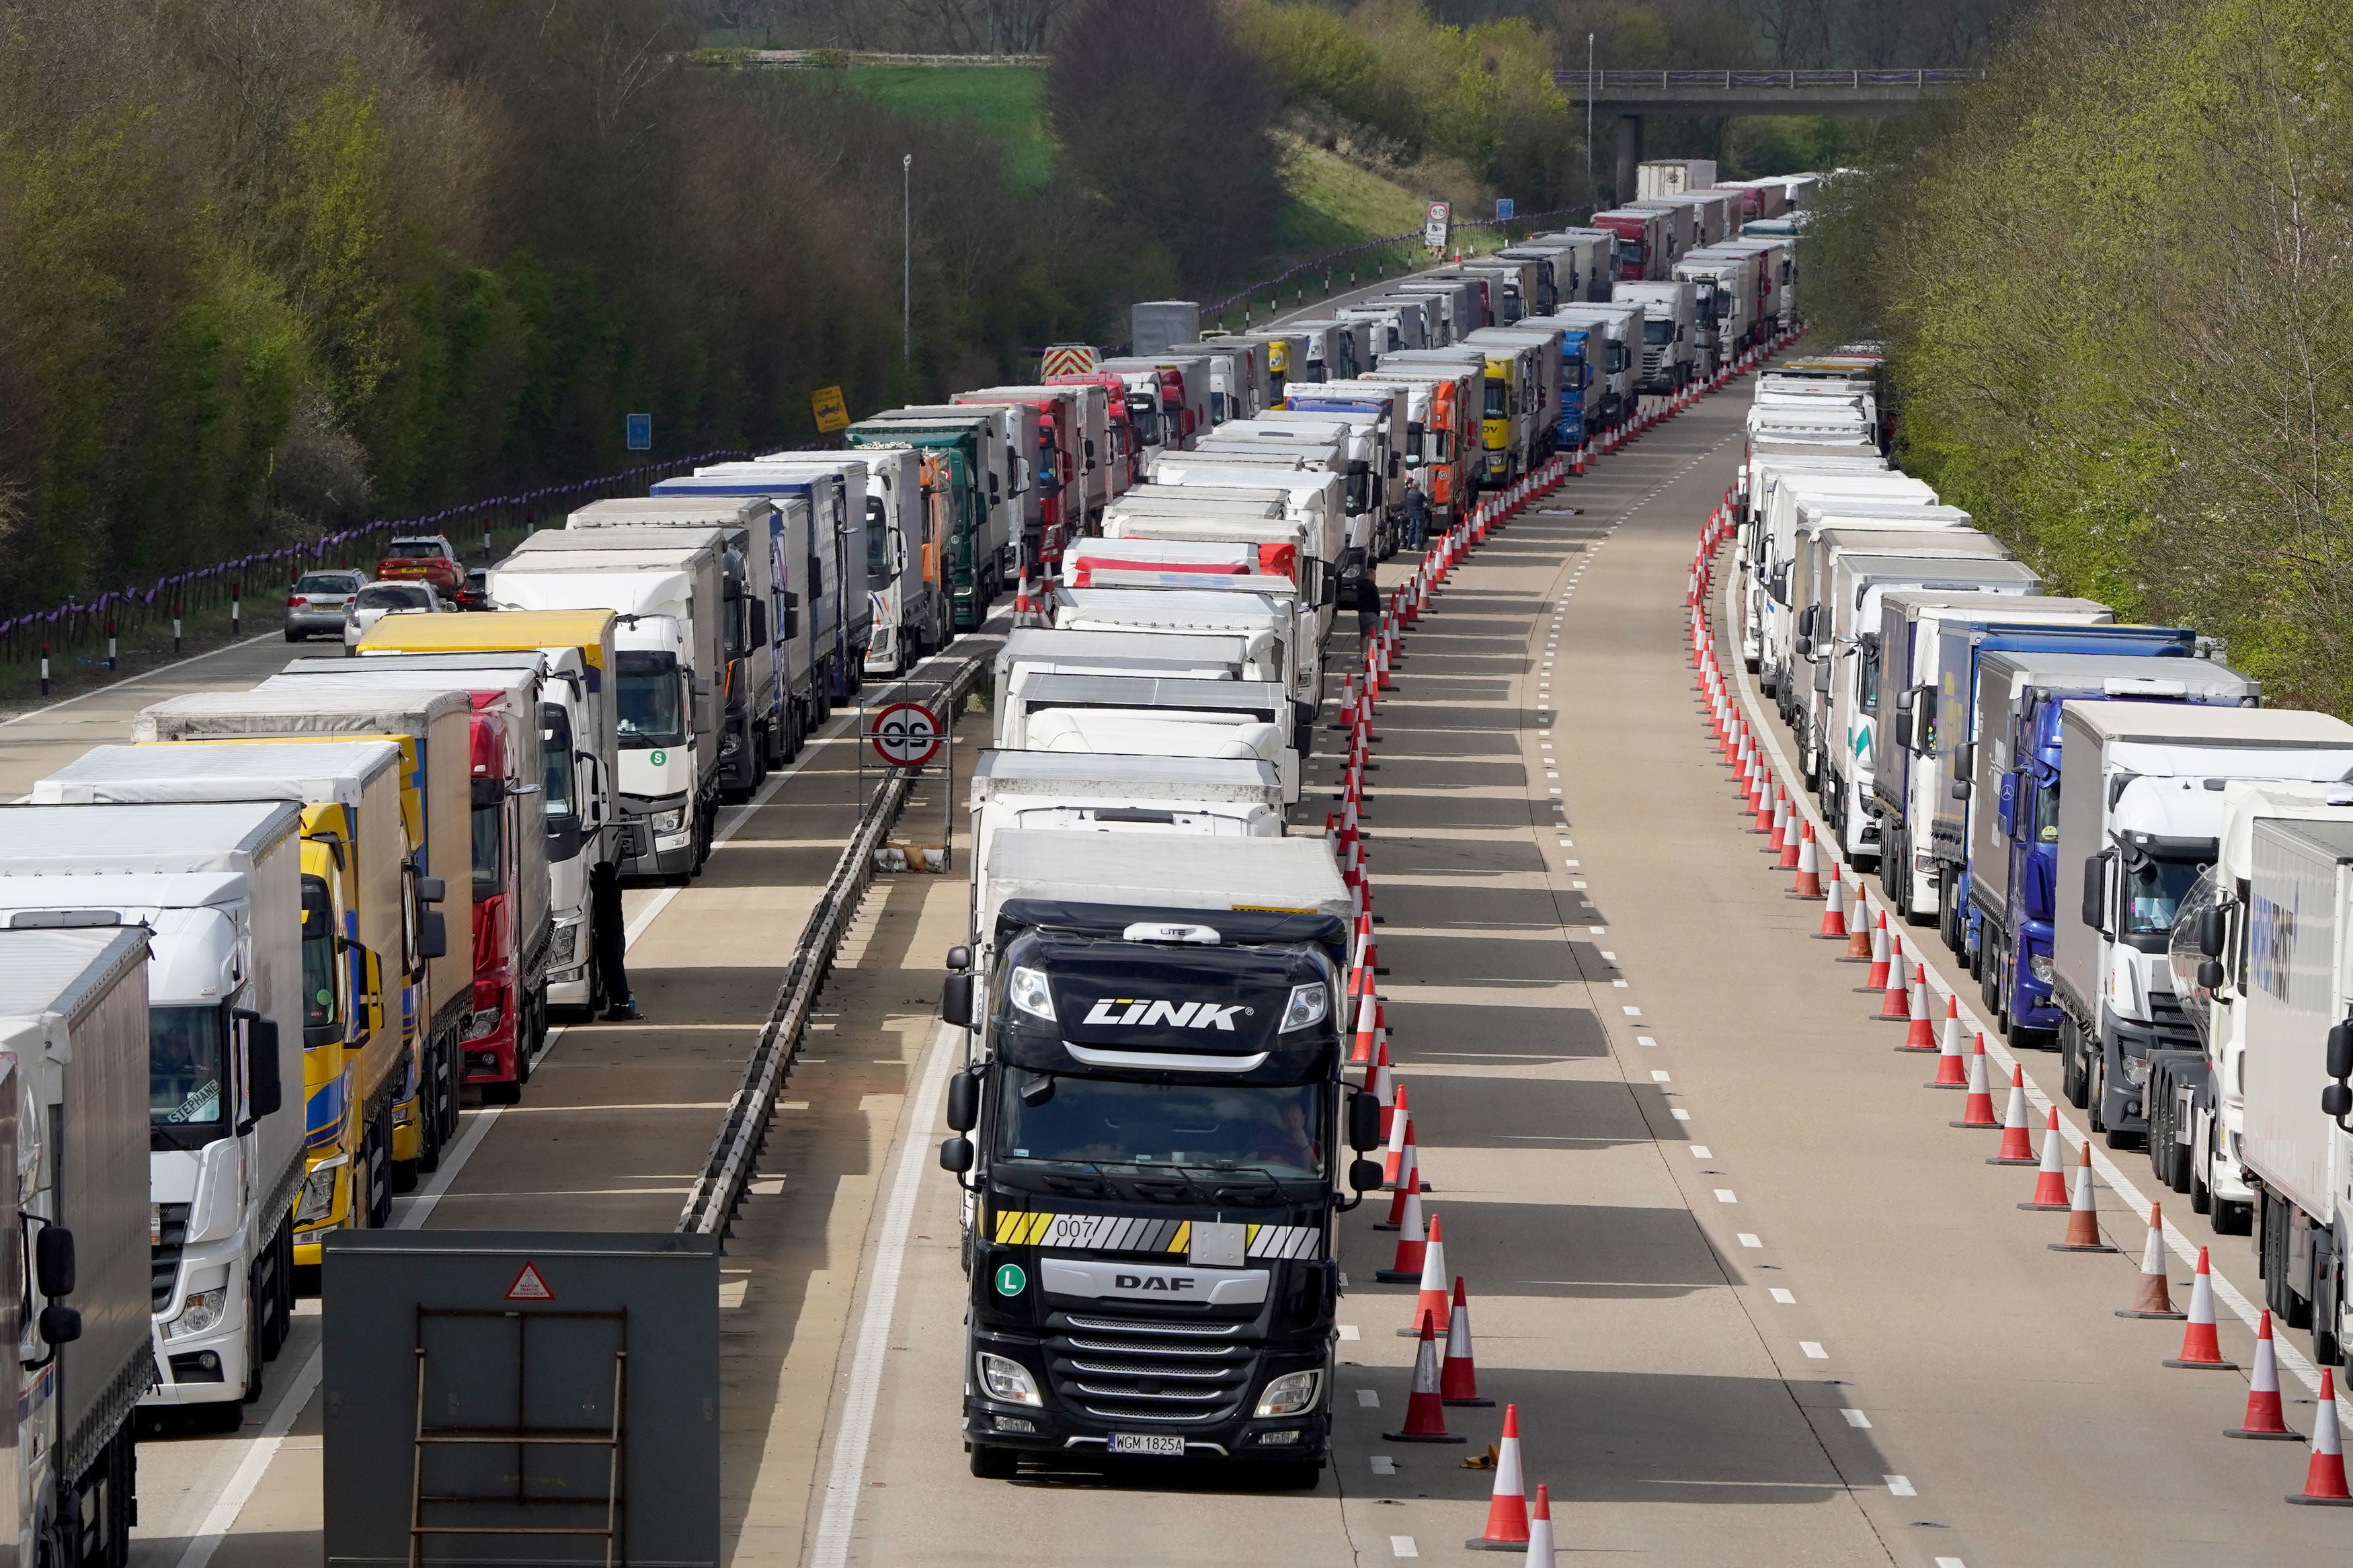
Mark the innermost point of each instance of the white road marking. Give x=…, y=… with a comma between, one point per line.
x=1598, y=931
x=1856, y=1418
x=1347, y=1330
x=1748, y=1239
x=1727, y=1195
x=1632, y=1012
x=1679, y=1113
x=1899, y=1486
x=1813, y=1349
x=1371, y=1398
x=1383, y=1464
x=1659, y=1077
x=1701, y=1151
x=848, y=1474
x=1783, y=1297
x=1403, y=1546
x=1622, y=985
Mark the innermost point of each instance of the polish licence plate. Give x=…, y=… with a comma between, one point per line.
x=1147, y=1442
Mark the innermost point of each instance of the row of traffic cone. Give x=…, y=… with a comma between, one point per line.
x=1904, y=987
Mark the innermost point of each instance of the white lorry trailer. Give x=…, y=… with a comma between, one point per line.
x=73, y=1063
x=1047, y=712
x=1031, y=792
x=218, y=887
x=1671, y=359
x=1047, y=651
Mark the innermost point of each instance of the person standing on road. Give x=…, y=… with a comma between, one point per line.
x=611, y=942
x=1369, y=607
x=1416, y=513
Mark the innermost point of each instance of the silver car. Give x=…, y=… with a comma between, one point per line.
x=314, y=605
x=378, y=600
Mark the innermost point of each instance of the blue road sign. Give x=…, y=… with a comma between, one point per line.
x=641, y=432
x=1503, y=207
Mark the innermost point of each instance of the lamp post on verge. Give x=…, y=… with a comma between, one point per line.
x=907, y=252
x=1589, y=188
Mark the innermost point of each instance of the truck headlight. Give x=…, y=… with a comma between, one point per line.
x=481, y=1022
x=565, y=946
x=203, y=1311
x=1309, y=1004
x=1006, y=1379
x=1293, y=1393
x=317, y=1200
x=2038, y=966
x=2136, y=1071
x=668, y=822
x=1026, y=989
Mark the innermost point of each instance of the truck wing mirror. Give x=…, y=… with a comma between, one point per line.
x=59, y=1325
x=964, y=1100
x=959, y=959
x=1365, y=1123
x=2094, y=889
x=432, y=934
x=1961, y=789
x=759, y=628
x=2210, y=943
x=53, y=1260
x=2340, y=1051
x=431, y=889
x=956, y=1154
x=955, y=1000
x=265, y=1090
x=1365, y=1175
x=2210, y=975
x=1904, y=700
x=488, y=793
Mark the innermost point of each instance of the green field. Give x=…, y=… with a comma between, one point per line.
x=1002, y=103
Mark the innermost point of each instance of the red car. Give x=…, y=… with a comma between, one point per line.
x=423, y=558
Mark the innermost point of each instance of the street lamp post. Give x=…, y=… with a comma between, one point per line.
x=1590, y=187
x=907, y=255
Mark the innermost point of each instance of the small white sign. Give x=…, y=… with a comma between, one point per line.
x=1438, y=225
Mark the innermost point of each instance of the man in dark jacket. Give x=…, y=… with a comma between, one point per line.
x=610, y=942
x=1368, y=605
x=1416, y=513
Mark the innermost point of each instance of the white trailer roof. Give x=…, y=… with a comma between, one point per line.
x=211, y=837
x=1043, y=689
x=1000, y=775
x=1150, y=732
x=1051, y=644
x=2205, y=726
x=334, y=773
x=50, y=973
x=303, y=712
x=1164, y=870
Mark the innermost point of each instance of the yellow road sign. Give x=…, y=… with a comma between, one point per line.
x=832, y=413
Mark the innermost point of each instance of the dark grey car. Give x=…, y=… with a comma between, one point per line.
x=315, y=605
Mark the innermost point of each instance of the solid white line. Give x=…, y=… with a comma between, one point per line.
x=248, y=1474
x=176, y=664
x=2071, y=1131
x=848, y=1474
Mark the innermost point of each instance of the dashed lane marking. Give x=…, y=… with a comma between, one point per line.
x=1856, y=1418
x=1813, y=1349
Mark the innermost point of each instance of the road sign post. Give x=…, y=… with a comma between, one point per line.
x=909, y=735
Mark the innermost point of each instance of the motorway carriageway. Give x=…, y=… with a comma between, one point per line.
x=1756, y=1302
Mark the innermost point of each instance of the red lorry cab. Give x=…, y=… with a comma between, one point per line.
x=423, y=558
x=1125, y=453
x=491, y=1028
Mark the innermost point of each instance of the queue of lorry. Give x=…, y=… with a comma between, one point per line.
x=2142, y=865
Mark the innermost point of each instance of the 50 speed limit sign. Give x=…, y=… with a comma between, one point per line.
x=905, y=734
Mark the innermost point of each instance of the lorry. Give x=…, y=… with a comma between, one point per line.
x=1270, y=623
x=1724, y=305
x=906, y=578
x=1315, y=499
x=2006, y=802
x=1442, y=444
x=1906, y=739
x=1669, y=333
x=1356, y=436
x=1146, y=1120
x=1050, y=792
x=1774, y=532
x=1672, y=176
x=1300, y=544
x=1246, y=383
x=218, y=890
x=1596, y=272
x=2197, y=1108
x=1058, y=457
x=1048, y=711
x=1505, y=394
x=579, y=743
x=1616, y=334
x=980, y=547
x=834, y=543
x=1157, y=325
x=1178, y=390
x=670, y=649
x=73, y=1056
x=2140, y=813
x=1541, y=368
x=406, y=1093
x=513, y=924
x=1045, y=650
x=1826, y=526
x=423, y=558
x=1645, y=237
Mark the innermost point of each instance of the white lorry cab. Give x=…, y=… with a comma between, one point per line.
x=1032, y=791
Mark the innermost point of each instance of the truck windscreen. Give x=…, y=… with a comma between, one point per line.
x=555, y=747
x=489, y=842
x=1657, y=330
x=184, y=1072
x=2153, y=893
x=1275, y=1131
x=652, y=711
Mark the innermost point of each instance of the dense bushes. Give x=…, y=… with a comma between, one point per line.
x=2119, y=284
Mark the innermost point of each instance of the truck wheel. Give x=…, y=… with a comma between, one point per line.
x=993, y=1464
x=2096, y=1089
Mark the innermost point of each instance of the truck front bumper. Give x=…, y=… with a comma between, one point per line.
x=206, y=1367
x=1062, y=1426
x=2126, y=1044
x=645, y=854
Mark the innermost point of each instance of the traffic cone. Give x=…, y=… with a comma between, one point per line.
x=1540, y=1552
x=1432, y=1303
x=1793, y=857
x=2264, y=1419
x=1882, y=946
x=1952, y=1071
x=1400, y=1131
x=1363, y=1053
x=1976, y=1110
x=1382, y=1088
x=1425, y=1410
x=1410, y=1187
x=1919, y=1035
x=2017, y=1146
x=1763, y=792
x=2082, y=1213
x=1458, y=1379
x=1412, y=1244
x=1895, y=1002
x=1834, y=927
x=2151, y=1298
x=2324, y=1475
x=1507, y=1510
x=2051, y=1181
x=1780, y=828
x=2201, y=1352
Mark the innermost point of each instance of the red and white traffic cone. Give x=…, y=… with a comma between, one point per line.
x=1882, y=950
x=1507, y=1508
x=2082, y=1213
x=1952, y=1068
x=1412, y=1244
x=1425, y=1410
x=1540, y=1548
x=1363, y=1051
x=1834, y=926
x=2017, y=1145
x=1400, y=1131
x=1896, y=1001
x=1382, y=1088
x=2266, y=1421
x=1431, y=1302
x=1408, y=1188
x=1919, y=1034
x=2150, y=1297
x=2051, y=1181
x=1792, y=855
x=2324, y=1474
x=1859, y=937
x=1976, y=1110
x=1458, y=1379
x=2201, y=1352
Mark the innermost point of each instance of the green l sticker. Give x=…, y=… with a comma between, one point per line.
x=1011, y=1281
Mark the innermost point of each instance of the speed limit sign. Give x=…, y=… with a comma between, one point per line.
x=905, y=734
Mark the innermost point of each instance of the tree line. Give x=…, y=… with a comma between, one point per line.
x=2117, y=283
